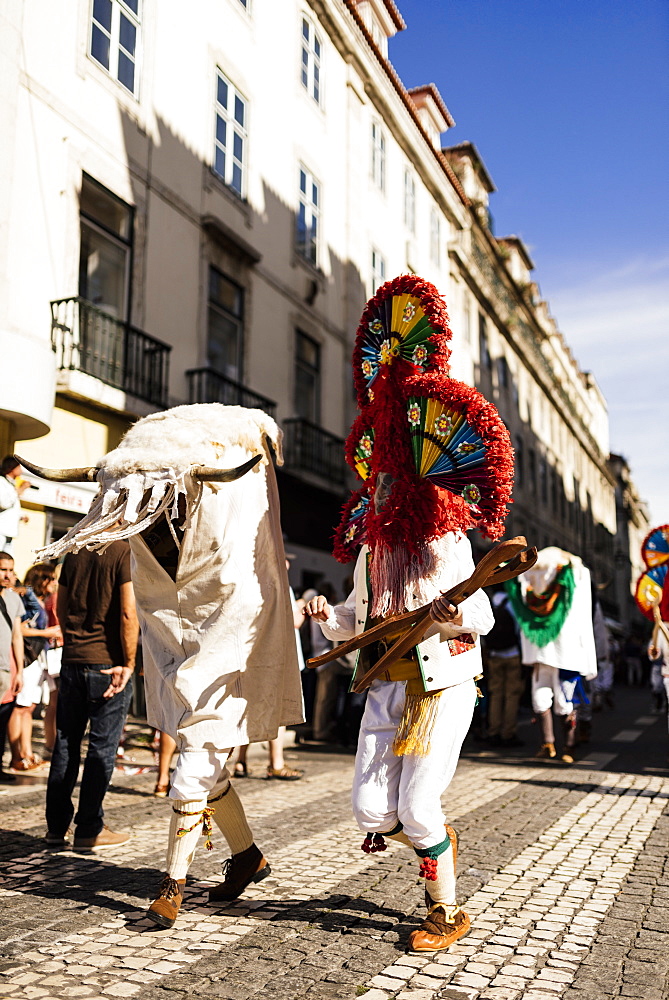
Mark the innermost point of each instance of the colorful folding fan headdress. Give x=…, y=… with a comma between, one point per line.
x=441, y=445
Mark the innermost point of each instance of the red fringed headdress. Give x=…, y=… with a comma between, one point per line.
x=443, y=448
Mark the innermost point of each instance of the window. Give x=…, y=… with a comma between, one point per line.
x=114, y=41
x=378, y=156
x=230, y=138
x=308, y=229
x=311, y=60
x=532, y=468
x=225, y=325
x=543, y=480
x=467, y=317
x=519, y=463
x=484, y=352
x=409, y=202
x=378, y=270
x=106, y=243
x=307, y=378
x=435, y=237
x=502, y=373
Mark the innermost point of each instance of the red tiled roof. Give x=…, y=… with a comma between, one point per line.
x=431, y=88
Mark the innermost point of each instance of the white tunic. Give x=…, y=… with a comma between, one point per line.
x=220, y=660
x=574, y=648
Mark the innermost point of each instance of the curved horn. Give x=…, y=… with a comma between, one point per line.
x=213, y=475
x=86, y=474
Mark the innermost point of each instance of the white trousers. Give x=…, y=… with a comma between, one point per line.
x=199, y=774
x=388, y=790
x=548, y=691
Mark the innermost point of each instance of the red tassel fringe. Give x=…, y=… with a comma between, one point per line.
x=428, y=869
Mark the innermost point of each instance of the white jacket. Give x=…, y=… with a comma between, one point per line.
x=10, y=509
x=444, y=658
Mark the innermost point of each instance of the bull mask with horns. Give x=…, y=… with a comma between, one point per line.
x=160, y=469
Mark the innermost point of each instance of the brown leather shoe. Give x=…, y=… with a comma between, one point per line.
x=439, y=930
x=165, y=908
x=239, y=871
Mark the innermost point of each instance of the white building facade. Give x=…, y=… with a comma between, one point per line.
x=197, y=203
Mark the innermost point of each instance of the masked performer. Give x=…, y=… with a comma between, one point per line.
x=208, y=568
x=553, y=605
x=436, y=461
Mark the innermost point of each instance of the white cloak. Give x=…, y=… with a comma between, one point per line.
x=220, y=660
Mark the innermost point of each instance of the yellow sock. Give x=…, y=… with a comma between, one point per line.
x=230, y=818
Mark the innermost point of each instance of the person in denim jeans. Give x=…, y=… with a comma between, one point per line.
x=96, y=608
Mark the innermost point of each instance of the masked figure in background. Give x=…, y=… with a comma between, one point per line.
x=553, y=605
x=436, y=461
x=194, y=490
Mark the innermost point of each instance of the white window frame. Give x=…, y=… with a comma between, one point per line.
x=234, y=130
x=310, y=249
x=378, y=270
x=409, y=201
x=118, y=8
x=435, y=237
x=378, y=155
x=311, y=60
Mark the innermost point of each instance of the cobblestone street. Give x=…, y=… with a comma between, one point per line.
x=564, y=871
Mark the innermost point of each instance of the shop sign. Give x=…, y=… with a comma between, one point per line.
x=60, y=496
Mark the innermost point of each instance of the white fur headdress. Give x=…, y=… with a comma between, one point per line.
x=147, y=474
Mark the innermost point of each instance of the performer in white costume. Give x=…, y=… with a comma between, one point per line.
x=220, y=660
x=436, y=461
x=553, y=606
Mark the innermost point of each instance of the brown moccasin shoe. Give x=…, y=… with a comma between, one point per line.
x=239, y=871
x=165, y=908
x=439, y=930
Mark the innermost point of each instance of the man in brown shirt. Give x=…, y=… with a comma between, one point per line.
x=96, y=610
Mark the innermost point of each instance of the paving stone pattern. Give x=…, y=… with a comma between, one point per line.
x=564, y=871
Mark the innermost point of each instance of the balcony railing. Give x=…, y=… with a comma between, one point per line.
x=208, y=386
x=308, y=448
x=86, y=339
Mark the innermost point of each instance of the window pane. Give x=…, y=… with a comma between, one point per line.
x=305, y=29
x=127, y=35
x=305, y=57
x=314, y=194
x=316, y=93
x=219, y=161
x=236, y=182
x=126, y=71
x=224, y=344
x=225, y=292
x=238, y=147
x=222, y=94
x=239, y=110
x=133, y=5
x=102, y=12
x=105, y=209
x=305, y=78
x=303, y=182
x=221, y=130
x=102, y=271
x=317, y=47
x=100, y=47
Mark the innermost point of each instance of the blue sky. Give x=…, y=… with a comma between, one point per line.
x=568, y=105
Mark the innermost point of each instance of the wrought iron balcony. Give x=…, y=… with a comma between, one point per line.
x=207, y=386
x=309, y=448
x=86, y=339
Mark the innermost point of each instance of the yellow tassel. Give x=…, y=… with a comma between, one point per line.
x=418, y=718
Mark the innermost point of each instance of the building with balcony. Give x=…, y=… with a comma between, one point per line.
x=192, y=219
